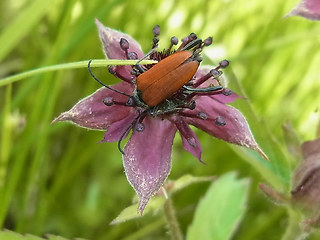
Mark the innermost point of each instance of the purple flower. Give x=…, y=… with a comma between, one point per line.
x=309, y=9
x=147, y=154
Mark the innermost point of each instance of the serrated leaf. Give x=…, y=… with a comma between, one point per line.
x=221, y=210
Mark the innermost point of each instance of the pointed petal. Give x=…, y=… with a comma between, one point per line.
x=111, y=45
x=223, y=122
x=92, y=113
x=147, y=159
x=189, y=139
x=309, y=9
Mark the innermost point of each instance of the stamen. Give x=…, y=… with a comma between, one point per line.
x=140, y=127
x=124, y=44
x=192, y=141
x=156, y=30
x=132, y=56
x=202, y=115
x=112, y=70
x=207, y=42
x=224, y=63
x=202, y=79
x=130, y=102
x=108, y=101
x=173, y=41
x=156, y=33
x=227, y=92
x=220, y=121
x=106, y=86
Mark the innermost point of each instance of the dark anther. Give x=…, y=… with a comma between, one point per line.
x=185, y=40
x=224, y=63
x=202, y=115
x=139, y=127
x=215, y=73
x=130, y=102
x=124, y=44
x=156, y=30
x=112, y=69
x=207, y=41
x=192, y=141
x=132, y=56
x=108, y=101
x=220, y=121
x=192, y=37
x=174, y=40
x=226, y=92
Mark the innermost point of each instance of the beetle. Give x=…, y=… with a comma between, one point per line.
x=165, y=87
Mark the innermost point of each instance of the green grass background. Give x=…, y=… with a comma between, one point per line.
x=57, y=179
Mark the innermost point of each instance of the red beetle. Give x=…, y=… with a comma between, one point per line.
x=163, y=88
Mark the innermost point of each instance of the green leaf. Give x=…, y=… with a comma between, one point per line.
x=158, y=201
x=9, y=235
x=220, y=211
x=22, y=24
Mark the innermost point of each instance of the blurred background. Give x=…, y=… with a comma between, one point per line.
x=57, y=179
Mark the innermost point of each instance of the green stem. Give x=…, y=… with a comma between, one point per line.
x=294, y=231
x=171, y=218
x=73, y=65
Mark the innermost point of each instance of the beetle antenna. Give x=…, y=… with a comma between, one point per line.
x=95, y=78
x=128, y=129
x=123, y=134
x=138, y=66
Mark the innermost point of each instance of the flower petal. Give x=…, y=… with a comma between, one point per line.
x=147, y=159
x=309, y=9
x=189, y=139
x=111, y=45
x=117, y=129
x=92, y=113
x=307, y=176
x=223, y=122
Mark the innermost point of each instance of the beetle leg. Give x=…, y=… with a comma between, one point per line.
x=202, y=90
x=195, y=43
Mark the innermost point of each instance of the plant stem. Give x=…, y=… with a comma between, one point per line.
x=171, y=218
x=72, y=65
